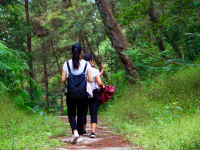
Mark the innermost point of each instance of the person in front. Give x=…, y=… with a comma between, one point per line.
x=93, y=102
x=77, y=72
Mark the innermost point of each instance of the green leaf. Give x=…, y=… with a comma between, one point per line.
x=179, y=108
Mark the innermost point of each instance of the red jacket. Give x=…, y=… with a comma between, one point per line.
x=106, y=94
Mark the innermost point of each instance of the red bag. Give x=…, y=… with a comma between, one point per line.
x=106, y=94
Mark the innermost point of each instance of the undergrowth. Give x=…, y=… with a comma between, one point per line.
x=21, y=129
x=161, y=114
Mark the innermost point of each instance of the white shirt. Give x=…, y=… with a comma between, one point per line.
x=95, y=73
x=79, y=70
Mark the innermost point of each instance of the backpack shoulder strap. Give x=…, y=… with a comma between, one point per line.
x=68, y=67
x=85, y=67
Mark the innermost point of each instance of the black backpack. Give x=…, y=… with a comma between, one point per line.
x=76, y=86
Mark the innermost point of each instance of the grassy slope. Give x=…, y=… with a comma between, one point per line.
x=20, y=130
x=162, y=115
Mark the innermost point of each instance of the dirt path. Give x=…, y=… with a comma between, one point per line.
x=104, y=140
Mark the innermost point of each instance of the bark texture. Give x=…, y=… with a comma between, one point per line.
x=29, y=48
x=45, y=73
x=117, y=38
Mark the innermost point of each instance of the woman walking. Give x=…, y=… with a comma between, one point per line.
x=76, y=71
x=93, y=102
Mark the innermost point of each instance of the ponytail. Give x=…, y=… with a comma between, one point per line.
x=76, y=50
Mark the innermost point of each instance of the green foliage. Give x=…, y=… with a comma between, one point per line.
x=161, y=114
x=14, y=57
x=22, y=130
x=175, y=21
x=13, y=26
x=12, y=65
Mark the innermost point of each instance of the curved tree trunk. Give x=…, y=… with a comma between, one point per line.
x=174, y=45
x=154, y=20
x=117, y=38
x=159, y=40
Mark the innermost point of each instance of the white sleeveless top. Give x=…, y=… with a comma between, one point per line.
x=95, y=73
x=79, y=70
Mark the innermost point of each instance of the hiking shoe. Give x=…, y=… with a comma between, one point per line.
x=74, y=138
x=79, y=139
x=84, y=133
x=92, y=135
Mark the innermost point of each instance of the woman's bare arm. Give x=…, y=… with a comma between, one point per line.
x=99, y=82
x=101, y=70
x=64, y=76
x=89, y=76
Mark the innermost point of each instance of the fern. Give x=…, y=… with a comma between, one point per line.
x=12, y=65
x=3, y=87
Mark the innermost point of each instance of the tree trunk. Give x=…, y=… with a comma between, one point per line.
x=67, y=3
x=45, y=73
x=3, y=3
x=198, y=14
x=82, y=42
x=29, y=48
x=111, y=69
x=54, y=53
x=153, y=19
x=159, y=40
x=181, y=44
x=94, y=56
x=112, y=5
x=61, y=109
x=117, y=38
x=174, y=45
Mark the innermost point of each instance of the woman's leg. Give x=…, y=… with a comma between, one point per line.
x=85, y=120
x=71, y=107
x=71, y=110
x=93, y=126
x=93, y=106
x=81, y=111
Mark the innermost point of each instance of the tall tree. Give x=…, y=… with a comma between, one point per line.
x=179, y=20
x=29, y=46
x=154, y=21
x=159, y=40
x=45, y=71
x=117, y=38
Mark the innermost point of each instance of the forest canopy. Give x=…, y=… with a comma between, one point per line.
x=150, y=50
x=134, y=39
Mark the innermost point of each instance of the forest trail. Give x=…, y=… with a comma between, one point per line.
x=105, y=139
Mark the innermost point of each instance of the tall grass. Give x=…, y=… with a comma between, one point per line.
x=163, y=114
x=22, y=130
